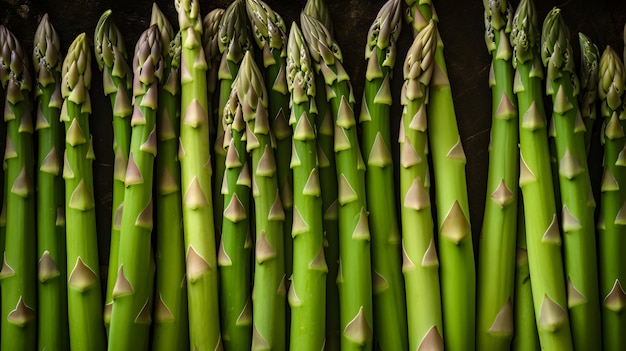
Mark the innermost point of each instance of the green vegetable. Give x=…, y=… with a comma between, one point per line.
x=375, y=121
x=307, y=292
x=543, y=235
x=52, y=294
x=171, y=323
x=589, y=61
x=195, y=163
x=354, y=277
x=18, y=276
x=84, y=298
x=420, y=261
x=111, y=56
x=496, y=262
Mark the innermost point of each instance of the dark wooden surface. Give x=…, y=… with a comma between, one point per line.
x=461, y=27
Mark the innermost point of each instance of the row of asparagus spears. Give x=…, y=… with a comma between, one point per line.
x=249, y=212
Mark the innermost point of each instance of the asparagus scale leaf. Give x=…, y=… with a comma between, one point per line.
x=197, y=192
x=307, y=292
x=84, y=294
x=19, y=271
x=496, y=262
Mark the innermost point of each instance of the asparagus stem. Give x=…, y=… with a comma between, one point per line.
x=420, y=261
x=110, y=54
x=589, y=56
x=132, y=293
x=307, y=292
x=269, y=325
x=542, y=230
x=235, y=250
x=234, y=41
x=458, y=276
x=496, y=263
x=171, y=323
x=389, y=298
x=328, y=180
x=211, y=28
x=84, y=295
x=525, y=337
x=576, y=194
x=612, y=228
x=270, y=34
x=52, y=294
x=354, y=277
x=195, y=162
x=18, y=275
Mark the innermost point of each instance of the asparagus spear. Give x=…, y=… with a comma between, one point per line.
x=269, y=327
x=171, y=323
x=542, y=230
x=354, y=278
x=84, y=295
x=307, y=292
x=576, y=195
x=234, y=41
x=110, y=54
x=270, y=34
x=388, y=289
x=47, y=61
x=496, y=263
x=328, y=179
x=195, y=162
x=18, y=275
x=525, y=337
x=235, y=250
x=210, y=24
x=132, y=293
x=588, y=95
x=458, y=276
x=612, y=228
x=421, y=264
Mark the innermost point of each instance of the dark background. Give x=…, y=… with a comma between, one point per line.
x=461, y=26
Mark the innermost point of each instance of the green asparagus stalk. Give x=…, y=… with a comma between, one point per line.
x=612, y=226
x=543, y=235
x=195, y=162
x=589, y=56
x=270, y=34
x=354, y=277
x=171, y=323
x=328, y=179
x=307, y=292
x=84, y=295
x=110, y=54
x=525, y=337
x=388, y=290
x=496, y=263
x=576, y=194
x=233, y=41
x=458, y=276
x=18, y=275
x=319, y=9
x=420, y=261
x=132, y=293
x=235, y=251
x=269, y=300
x=47, y=61
x=210, y=24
